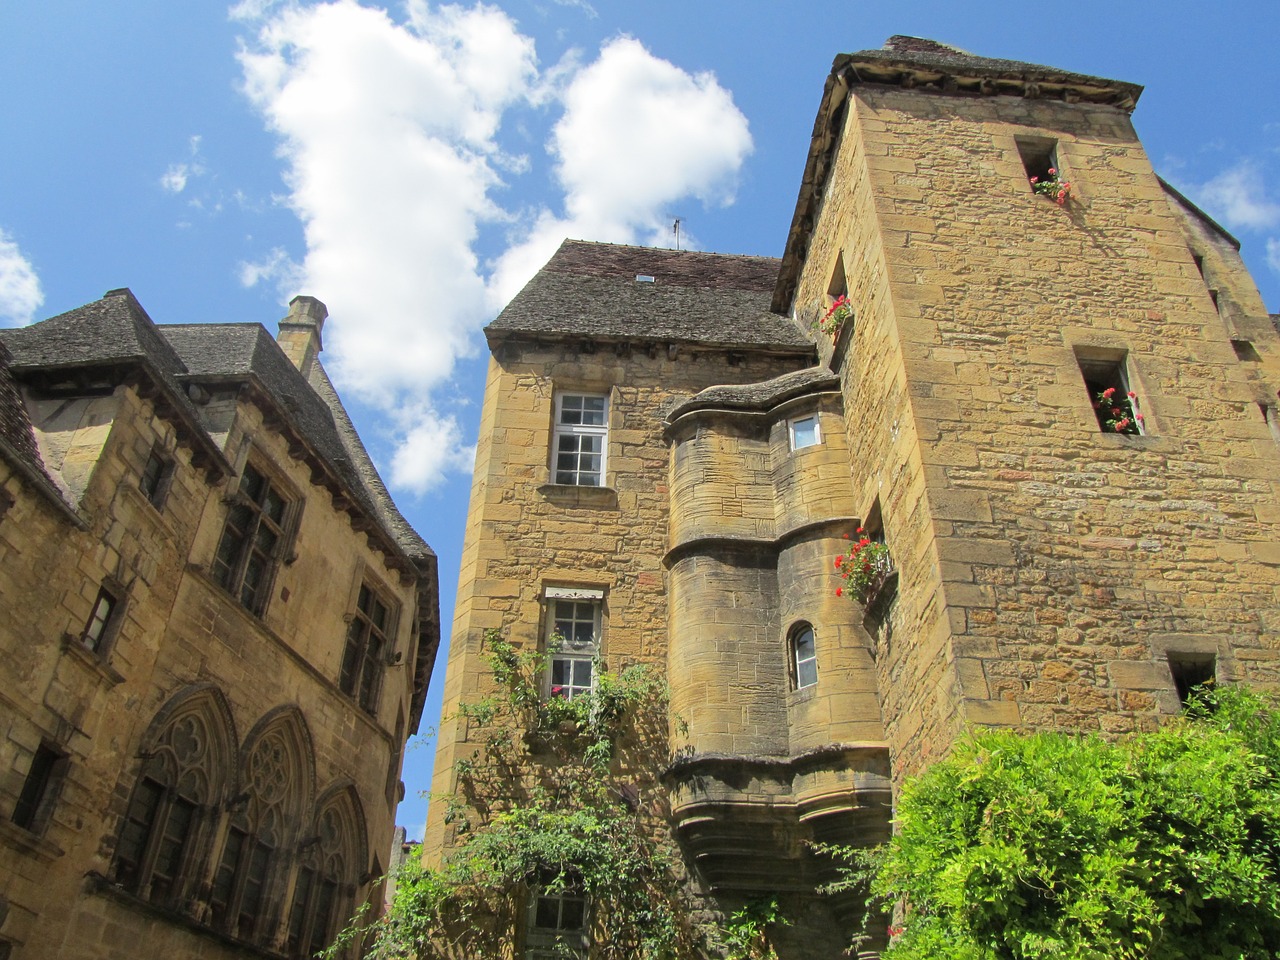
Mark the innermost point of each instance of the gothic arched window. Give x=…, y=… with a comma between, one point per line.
x=186, y=754
x=324, y=892
x=263, y=824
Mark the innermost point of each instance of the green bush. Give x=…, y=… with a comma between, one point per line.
x=1160, y=846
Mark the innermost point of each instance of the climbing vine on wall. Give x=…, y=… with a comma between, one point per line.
x=561, y=795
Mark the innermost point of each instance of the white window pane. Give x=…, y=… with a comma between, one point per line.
x=804, y=433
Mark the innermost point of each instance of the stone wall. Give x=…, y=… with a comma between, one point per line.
x=1048, y=569
x=179, y=631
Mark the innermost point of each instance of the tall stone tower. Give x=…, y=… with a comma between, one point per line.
x=1053, y=572
x=672, y=454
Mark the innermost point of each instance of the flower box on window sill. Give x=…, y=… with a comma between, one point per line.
x=879, y=597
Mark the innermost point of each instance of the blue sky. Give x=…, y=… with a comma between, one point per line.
x=412, y=164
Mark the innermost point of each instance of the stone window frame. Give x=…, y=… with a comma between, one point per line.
x=544, y=941
x=817, y=431
x=1103, y=367
x=156, y=477
x=242, y=546
x=803, y=670
x=41, y=788
x=1190, y=670
x=1039, y=155
x=105, y=616
x=568, y=656
x=575, y=434
x=164, y=831
x=277, y=772
x=326, y=876
x=369, y=644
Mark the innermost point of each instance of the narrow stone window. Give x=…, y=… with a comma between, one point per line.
x=40, y=789
x=557, y=924
x=1115, y=404
x=1039, y=156
x=804, y=657
x=369, y=640
x=581, y=437
x=1191, y=670
x=156, y=477
x=573, y=639
x=103, y=622
x=253, y=538
x=805, y=432
x=1245, y=351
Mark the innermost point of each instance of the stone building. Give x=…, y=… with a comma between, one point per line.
x=215, y=636
x=672, y=455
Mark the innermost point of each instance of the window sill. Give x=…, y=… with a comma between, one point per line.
x=796, y=698
x=72, y=646
x=20, y=838
x=97, y=883
x=601, y=498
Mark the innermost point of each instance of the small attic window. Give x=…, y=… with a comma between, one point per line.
x=643, y=278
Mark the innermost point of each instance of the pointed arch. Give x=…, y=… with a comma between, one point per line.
x=277, y=773
x=188, y=772
x=330, y=871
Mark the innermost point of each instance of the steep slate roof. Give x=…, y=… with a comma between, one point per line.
x=590, y=290
x=116, y=332
x=112, y=332
x=237, y=352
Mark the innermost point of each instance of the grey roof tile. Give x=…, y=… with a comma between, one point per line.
x=590, y=290
x=222, y=351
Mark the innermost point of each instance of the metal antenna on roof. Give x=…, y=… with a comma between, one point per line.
x=676, y=227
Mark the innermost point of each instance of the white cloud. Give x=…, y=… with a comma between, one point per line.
x=176, y=177
x=1273, y=254
x=638, y=134
x=277, y=268
x=431, y=447
x=1238, y=196
x=388, y=135
x=20, y=293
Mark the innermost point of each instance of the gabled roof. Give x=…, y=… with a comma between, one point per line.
x=115, y=336
x=591, y=291
x=108, y=337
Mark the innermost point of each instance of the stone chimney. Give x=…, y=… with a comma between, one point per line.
x=299, y=335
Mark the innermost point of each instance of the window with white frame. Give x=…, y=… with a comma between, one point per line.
x=573, y=639
x=102, y=622
x=804, y=657
x=581, y=434
x=805, y=432
x=557, y=924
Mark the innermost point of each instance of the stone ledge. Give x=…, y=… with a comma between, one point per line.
x=570, y=495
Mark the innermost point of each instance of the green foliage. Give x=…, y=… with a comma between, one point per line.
x=1161, y=846
x=747, y=933
x=562, y=794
